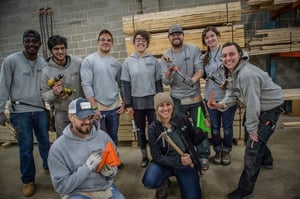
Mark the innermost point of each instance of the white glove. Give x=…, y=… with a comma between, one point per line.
x=108, y=171
x=94, y=159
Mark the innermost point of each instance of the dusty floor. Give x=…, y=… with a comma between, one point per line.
x=282, y=182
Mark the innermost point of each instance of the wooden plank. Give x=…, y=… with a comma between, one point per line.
x=291, y=94
x=291, y=124
x=189, y=18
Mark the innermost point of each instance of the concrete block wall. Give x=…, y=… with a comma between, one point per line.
x=80, y=21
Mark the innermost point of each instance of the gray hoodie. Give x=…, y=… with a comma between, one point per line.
x=253, y=87
x=71, y=79
x=67, y=162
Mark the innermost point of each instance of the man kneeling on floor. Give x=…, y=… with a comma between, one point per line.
x=75, y=158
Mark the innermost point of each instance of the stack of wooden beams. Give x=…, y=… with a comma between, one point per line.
x=268, y=4
x=159, y=43
x=188, y=18
x=279, y=40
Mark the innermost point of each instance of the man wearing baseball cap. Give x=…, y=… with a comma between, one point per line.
x=20, y=83
x=75, y=156
x=185, y=82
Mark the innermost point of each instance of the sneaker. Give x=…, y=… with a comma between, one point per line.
x=162, y=191
x=240, y=194
x=204, y=164
x=226, y=159
x=28, y=189
x=218, y=158
x=144, y=162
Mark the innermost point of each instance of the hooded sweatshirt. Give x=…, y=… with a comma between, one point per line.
x=253, y=87
x=71, y=79
x=67, y=162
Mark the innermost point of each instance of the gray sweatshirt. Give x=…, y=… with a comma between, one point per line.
x=67, y=162
x=253, y=87
x=101, y=78
x=18, y=83
x=71, y=79
x=188, y=62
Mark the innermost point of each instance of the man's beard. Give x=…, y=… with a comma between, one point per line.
x=83, y=132
x=177, y=45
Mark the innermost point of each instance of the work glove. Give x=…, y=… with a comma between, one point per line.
x=3, y=119
x=94, y=159
x=108, y=171
x=189, y=82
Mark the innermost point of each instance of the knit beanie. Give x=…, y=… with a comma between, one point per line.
x=160, y=98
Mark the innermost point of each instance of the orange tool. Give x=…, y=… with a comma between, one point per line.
x=109, y=156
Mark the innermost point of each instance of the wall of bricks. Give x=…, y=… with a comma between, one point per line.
x=80, y=21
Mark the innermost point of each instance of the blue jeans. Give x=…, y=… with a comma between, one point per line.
x=115, y=191
x=110, y=123
x=226, y=117
x=192, y=110
x=140, y=120
x=25, y=125
x=187, y=178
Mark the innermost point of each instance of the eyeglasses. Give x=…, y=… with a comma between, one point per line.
x=105, y=40
x=59, y=48
x=140, y=40
x=34, y=41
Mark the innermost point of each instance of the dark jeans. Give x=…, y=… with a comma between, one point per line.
x=25, y=125
x=140, y=121
x=256, y=152
x=192, y=110
x=187, y=178
x=110, y=122
x=226, y=117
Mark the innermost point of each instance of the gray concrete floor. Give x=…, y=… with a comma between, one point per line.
x=282, y=182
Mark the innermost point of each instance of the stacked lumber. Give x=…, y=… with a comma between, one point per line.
x=268, y=4
x=279, y=40
x=159, y=43
x=189, y=18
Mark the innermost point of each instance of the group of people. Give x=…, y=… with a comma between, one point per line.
x=87, y=97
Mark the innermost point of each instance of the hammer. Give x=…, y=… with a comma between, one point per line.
x=170, y=141
x=134, y=128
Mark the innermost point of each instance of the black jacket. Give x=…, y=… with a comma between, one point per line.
x=163, y=153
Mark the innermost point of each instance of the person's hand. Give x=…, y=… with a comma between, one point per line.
x=57, y=88
x=108, y=171
x=3, y=119
x=94, y=159
x=186, y=159
x=189, y=82
x=253, y=136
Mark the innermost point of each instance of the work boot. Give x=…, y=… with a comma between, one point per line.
x=268, y=163
x=226, y=159
x=162, y=191
x=144, y=162
x=204, y=164
x=145, y=159
x=240, y=194
x=218, y=158
x=28, y=189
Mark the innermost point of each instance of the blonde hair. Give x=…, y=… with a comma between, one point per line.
x=160, y=98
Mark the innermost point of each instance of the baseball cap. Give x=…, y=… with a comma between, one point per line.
x=32, y=33
x=81, y=107
x=175, y=28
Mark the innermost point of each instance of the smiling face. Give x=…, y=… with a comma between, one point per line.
x=105, y=43
x=211, y=39
x=176, y=39
x=230, y=57
x=81, y=127
x=31, y=44
x=164, y=111
x=140, y=44
x=59, y=53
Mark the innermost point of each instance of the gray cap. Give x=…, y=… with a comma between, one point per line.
x=81, y=107
x=175, y=28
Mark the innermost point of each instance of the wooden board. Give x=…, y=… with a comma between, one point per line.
x=188, y=18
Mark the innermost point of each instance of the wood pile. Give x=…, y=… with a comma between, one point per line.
x=189, y=18
x=159, y=43
x=279, y=40
x=268, y=4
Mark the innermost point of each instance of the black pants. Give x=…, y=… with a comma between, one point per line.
x=256, y=152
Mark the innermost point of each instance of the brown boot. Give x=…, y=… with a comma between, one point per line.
x=28, y=189
x=162, y=191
